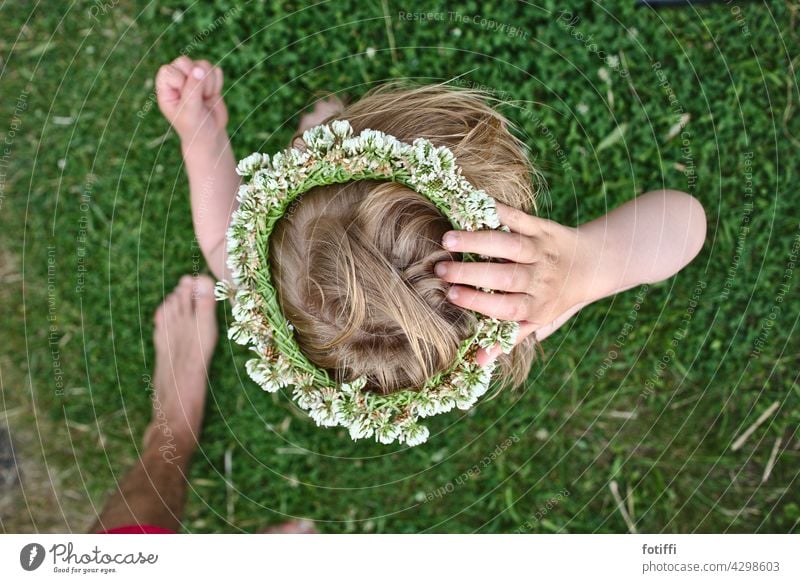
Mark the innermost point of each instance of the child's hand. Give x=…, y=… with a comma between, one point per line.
x=541, y=256
x=189, y=95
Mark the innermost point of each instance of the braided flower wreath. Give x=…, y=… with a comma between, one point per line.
x=333, y=155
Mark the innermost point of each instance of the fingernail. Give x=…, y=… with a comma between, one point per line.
x=449, y=240
x=440, y=269
x=198, y=73
x=452, y=293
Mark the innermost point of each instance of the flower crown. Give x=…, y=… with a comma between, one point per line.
x=333, y=155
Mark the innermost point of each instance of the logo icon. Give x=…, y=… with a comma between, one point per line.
x=31, y=556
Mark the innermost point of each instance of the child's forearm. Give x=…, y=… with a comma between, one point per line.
x=556, y=270
x=645, y=240
x=213, y=183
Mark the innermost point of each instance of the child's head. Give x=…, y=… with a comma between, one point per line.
x=353, y=263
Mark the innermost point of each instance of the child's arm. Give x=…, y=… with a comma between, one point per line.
x=213, y=184
x=646, y=240
x=556, y=270
x=189, y=96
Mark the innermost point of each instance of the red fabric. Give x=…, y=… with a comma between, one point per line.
x=138, y=529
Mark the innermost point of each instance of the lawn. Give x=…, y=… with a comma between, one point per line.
x=668, y=408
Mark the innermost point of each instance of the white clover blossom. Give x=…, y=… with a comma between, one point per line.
x=326, y=413
x=306, y=397
x=354, y=386
x=251, y=163
x=426, y=405
x=379, y=144
x=332, y=154
x=319, y=139
x=416, y=434
x=223, y=290
x=502, y=332
x=243, y=193
x=341, y=129
x=269, y=375
x=387, y=432
x=361, y=427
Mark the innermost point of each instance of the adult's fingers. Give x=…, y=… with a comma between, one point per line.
x=499, y=244
x=504, y=306
x=508, y=277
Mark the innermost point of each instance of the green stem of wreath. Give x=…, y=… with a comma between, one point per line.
x=283, y=336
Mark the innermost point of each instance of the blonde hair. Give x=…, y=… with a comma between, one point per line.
x=353, y=263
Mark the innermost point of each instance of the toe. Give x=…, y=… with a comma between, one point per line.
x=203, y=288
x=183, y=296
x=158, y=316
x=164, y=316
x=171, y=305
x=205, y=305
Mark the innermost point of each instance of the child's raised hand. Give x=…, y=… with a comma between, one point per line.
x=189, y=95
x=540, y=256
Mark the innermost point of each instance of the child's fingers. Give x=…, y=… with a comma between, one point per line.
x=504, y=306
x=218, y=81
x=183, y=64
x=169, y=81
x=199, y=83
x=526, y=328
x=509, y=277
x=209, y=81
x=219, y=110
x=192, y=92
x=521, y=222
x=483, y=356
x=512, y=246
x=516, y=220
x=216, y=102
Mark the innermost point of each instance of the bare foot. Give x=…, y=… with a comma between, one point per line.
x=323, y=109
x=185, y=336
x=292, y=527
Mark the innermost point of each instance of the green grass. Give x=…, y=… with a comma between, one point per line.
x=90, y=127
